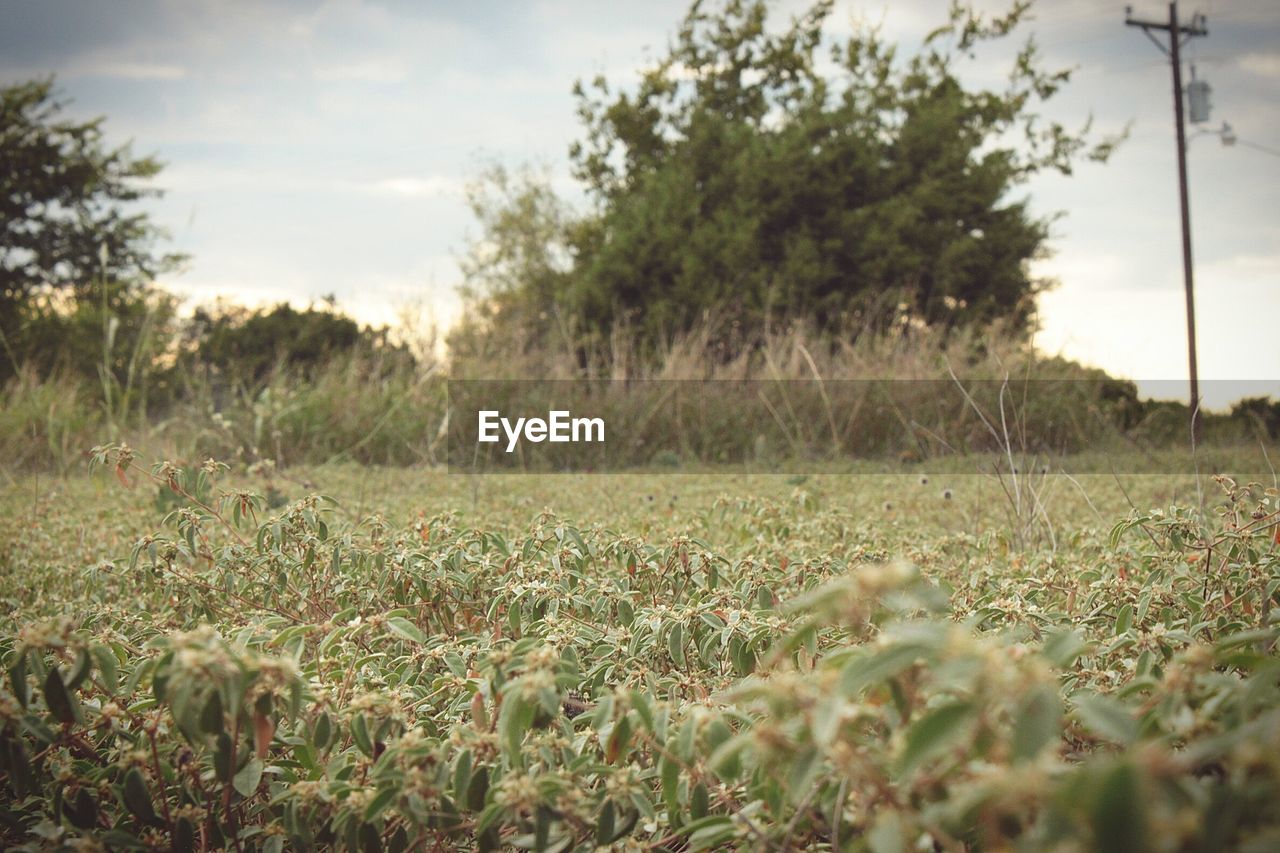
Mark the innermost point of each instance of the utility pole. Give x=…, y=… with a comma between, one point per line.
x=1178, y=35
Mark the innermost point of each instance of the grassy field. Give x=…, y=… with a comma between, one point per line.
x=880, y=660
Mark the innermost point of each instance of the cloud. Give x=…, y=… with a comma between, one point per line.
x=369, y=71
x=209, y=178
x=1262, y=64
x=133, y=71
x=434, y=185
x=1140, y=333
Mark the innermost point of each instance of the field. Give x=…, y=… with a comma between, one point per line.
x=883, y=661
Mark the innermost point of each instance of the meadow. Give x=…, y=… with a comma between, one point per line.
x=857, y=567
x=896, y=657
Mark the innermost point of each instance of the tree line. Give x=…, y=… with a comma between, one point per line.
x=758, y=174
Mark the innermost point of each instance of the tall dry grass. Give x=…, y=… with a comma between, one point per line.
x=809, y=395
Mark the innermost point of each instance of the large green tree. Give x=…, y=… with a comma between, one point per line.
x=68, y=219
x=747, y=177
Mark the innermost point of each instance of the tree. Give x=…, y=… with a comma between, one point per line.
x=739, y=177
x=64, y=199
x=516, y=270
x=247, y=345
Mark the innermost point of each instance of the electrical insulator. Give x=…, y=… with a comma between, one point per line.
x=1198, y=101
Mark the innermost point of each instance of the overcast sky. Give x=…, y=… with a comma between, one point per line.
x=318, y=148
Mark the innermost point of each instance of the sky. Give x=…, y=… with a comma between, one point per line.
x=317, y=148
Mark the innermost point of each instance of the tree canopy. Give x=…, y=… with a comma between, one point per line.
x=770, y=174
x=66, y=206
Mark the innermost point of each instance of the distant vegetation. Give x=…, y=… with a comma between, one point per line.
x=762, y=176
x=757, y=211
x=69, y=236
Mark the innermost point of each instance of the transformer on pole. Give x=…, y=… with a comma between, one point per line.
x=1198, y=103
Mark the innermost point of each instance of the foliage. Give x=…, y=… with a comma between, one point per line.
x=64, y=200
x=756, y=673
x=244, y=345
x=1262, y=414
x=275, y=383
x=515, y=270
x=741, y=178
x=824, y=400
x=120, y=343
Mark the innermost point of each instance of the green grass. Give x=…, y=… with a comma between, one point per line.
x=661, y=660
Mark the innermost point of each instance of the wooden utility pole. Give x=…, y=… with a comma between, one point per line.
x=1178, y=34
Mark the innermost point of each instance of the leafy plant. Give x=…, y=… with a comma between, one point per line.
x=758, y=673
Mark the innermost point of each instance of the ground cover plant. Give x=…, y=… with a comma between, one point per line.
x=199, y=657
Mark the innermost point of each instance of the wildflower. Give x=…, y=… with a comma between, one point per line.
x=924, y=479
x=946, y=494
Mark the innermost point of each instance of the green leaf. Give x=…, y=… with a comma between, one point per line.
x=1106, y=718
x=81, y=670
x=726, y=760
x=1063, y=646
x=1119, y=823
x=675, y=645
x=619, y=738
x=699, y=801
x=83, y=810
x=380, y=802
x=404, y=628
x=222, y=763
x=1038, y=723
x=478, y=788
x=933, y=734
x=826, y=718
x=513, y=721
x=1246, y=637
x=541, y=828
x=247, y=779
x=18, y=679
x=862, y=672
x=712, y=833
x=58, y=699
x=184, y=836
x=137, y=798
x=323, y=731
x=211, y=717
x=108, y=667
x=685, y=740
x=461, y=775
x=670, y=773
x=360, y=734
x=643, y=709
x=1124, y=620
x=370, y=840
x=604, y=826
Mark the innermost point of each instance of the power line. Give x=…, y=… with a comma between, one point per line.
x=1274, y=152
